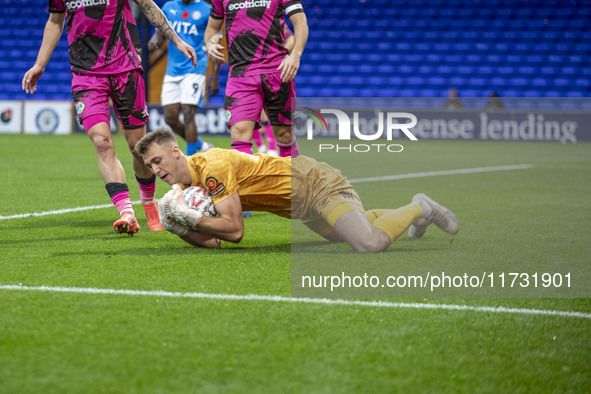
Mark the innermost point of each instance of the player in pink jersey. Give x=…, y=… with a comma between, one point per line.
x=257, y=138
x=104, y=49
x=261, y=72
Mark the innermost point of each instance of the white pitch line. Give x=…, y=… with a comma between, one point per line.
x=445, y=172
x=360, y=180
x=60, y=211
x=324, y=301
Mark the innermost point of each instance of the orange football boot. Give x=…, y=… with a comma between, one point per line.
x=151, y=209
x=127, y=223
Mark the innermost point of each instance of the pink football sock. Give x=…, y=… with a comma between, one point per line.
x=257, y=137
x=242, y=146
x=122, y=202
x=271, y=143
x=147, y=188
x=286, y=150
x=147, y=192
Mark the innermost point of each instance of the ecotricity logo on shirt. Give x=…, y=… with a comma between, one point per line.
x=75, y=4
x=249, y=4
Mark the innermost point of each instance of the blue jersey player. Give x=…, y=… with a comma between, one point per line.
x=184, y=85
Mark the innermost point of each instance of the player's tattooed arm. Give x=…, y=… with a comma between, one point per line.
x=160, y=22
x=158, y=19
x=155, y=41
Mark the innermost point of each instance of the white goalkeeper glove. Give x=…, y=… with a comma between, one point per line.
x=181, y=211
x=166, y=217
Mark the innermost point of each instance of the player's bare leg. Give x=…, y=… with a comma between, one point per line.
x=190, y=126
x=109, y=165
x=194, y=142
x=286, y=141
x=188, y=129
x=145, y=178
x=133, y=136
x=241, y=134
x=171, y=117
x=114, y=177
x=355, y=229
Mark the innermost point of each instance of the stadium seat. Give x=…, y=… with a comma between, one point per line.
x=415, y=47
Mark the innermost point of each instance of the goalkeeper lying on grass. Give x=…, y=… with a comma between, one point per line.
x=296, y=188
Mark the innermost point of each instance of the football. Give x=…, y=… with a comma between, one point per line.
x=198, y=199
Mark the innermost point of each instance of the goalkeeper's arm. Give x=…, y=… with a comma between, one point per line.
x=228, y=226
x=197, y=238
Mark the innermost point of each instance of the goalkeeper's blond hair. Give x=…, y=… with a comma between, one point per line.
x=160, y=137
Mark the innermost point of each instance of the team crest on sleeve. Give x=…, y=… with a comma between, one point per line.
x=79, y=107
x=214, y=186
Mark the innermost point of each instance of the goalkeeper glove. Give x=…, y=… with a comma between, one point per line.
x=167, y=219
x=181, y=211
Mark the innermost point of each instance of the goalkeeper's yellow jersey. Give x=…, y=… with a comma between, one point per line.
x=263, y=182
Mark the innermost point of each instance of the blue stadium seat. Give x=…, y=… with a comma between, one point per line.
x=535, y=59
x=561, y=82
x=539, y=82
x=518, y=82
x=380, y=47
x=498, y=82
x=444, y=70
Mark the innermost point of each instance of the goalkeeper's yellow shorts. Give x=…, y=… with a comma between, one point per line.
x=320, y=194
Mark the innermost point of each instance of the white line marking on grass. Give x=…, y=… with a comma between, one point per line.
x=359, y=180
x=445, y=172
x=271, y=298
x=60, y=211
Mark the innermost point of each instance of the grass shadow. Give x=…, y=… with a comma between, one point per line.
x=341, y=248
x=182, y=250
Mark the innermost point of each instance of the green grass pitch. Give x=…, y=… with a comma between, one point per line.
x=54, y=342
